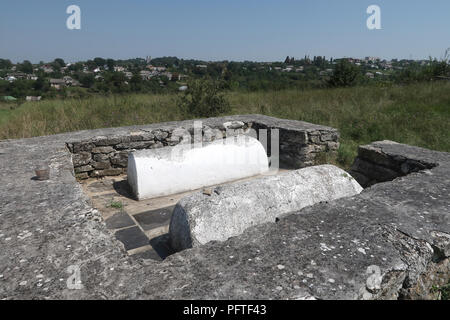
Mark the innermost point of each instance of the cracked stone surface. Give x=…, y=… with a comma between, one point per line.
x=390, y=241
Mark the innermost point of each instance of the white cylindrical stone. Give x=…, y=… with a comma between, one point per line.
x=165, y=171
x=198, y=218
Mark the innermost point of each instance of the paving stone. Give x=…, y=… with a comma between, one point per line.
x=154, y=218
x=119, y=220
x=132, y=238
x=149, y=254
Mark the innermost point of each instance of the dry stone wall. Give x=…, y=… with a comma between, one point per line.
x=300, y=143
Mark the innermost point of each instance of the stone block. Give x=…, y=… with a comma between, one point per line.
x=229, y=210
x=106, y=149
x=80, y=159
x=135, y=145
x=86, y=168
x=120, y=159
x=165, y=171
x=100, y=157
x=102, y=165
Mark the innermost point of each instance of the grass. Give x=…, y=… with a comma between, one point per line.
x=443, y=290
x=116, y=204
x=416, y=114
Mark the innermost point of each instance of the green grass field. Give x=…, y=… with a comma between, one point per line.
x=417, y=114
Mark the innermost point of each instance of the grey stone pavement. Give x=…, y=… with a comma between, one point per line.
x=381, y=244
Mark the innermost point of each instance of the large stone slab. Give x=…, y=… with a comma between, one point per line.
x=326, y=251
x=171, y=170
x=229, y=210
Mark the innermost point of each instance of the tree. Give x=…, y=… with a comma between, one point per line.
x=5, y=64
x=59, y=63
x=204, y=98
x=136, y=82
x=110, y=64
x=344, y=75
x=25, y=67
x=99, y=62
x=87, y=80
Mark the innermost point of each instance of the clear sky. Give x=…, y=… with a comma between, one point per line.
x=258, y=30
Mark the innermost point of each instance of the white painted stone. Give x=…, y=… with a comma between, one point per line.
x=198, y=219
x=170, y=170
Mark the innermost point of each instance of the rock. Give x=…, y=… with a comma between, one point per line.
x=82, y=176
x=82, y=146
x=197, y=220
x=83, y=169
x=233, y=125
x=120, y=159
x=102, y=165
x=106, y=141
x=332, y=146
x=103, y=150
x=160, y=135
x=107, y=172
x=135, y=145
x=81, y=159
x=100, y=157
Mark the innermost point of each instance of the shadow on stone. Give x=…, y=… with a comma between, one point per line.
x=123, y=188
x=119, y=220
x=132, y=238
x=162, y=246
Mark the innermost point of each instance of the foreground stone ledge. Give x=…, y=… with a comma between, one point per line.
x=229, y=210
x=323, y=252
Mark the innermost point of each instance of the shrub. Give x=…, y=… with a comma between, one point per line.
x=344, y=75
x=204, y=98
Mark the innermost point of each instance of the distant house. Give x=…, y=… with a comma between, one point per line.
x=146, y=74
x=33, y=98
x=47, y=69
x=119, y=69
x=183, y=88
x=57, y=83
x=11, y=78
x=71, y=82
x=370, y=75
x=168, y=75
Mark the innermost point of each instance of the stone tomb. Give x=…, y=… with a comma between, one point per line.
x=185, y=167
x=230, y=209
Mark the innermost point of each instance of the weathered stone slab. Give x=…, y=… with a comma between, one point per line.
x=229, y=210
x=373, y=165
x=171, y=170
x=326, y=251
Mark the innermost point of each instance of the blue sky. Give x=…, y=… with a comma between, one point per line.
x=259, y=30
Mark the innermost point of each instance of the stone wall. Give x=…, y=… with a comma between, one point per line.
x=372, y=166
x=301, y=143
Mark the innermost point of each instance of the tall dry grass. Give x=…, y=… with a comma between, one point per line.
x=416, y=114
